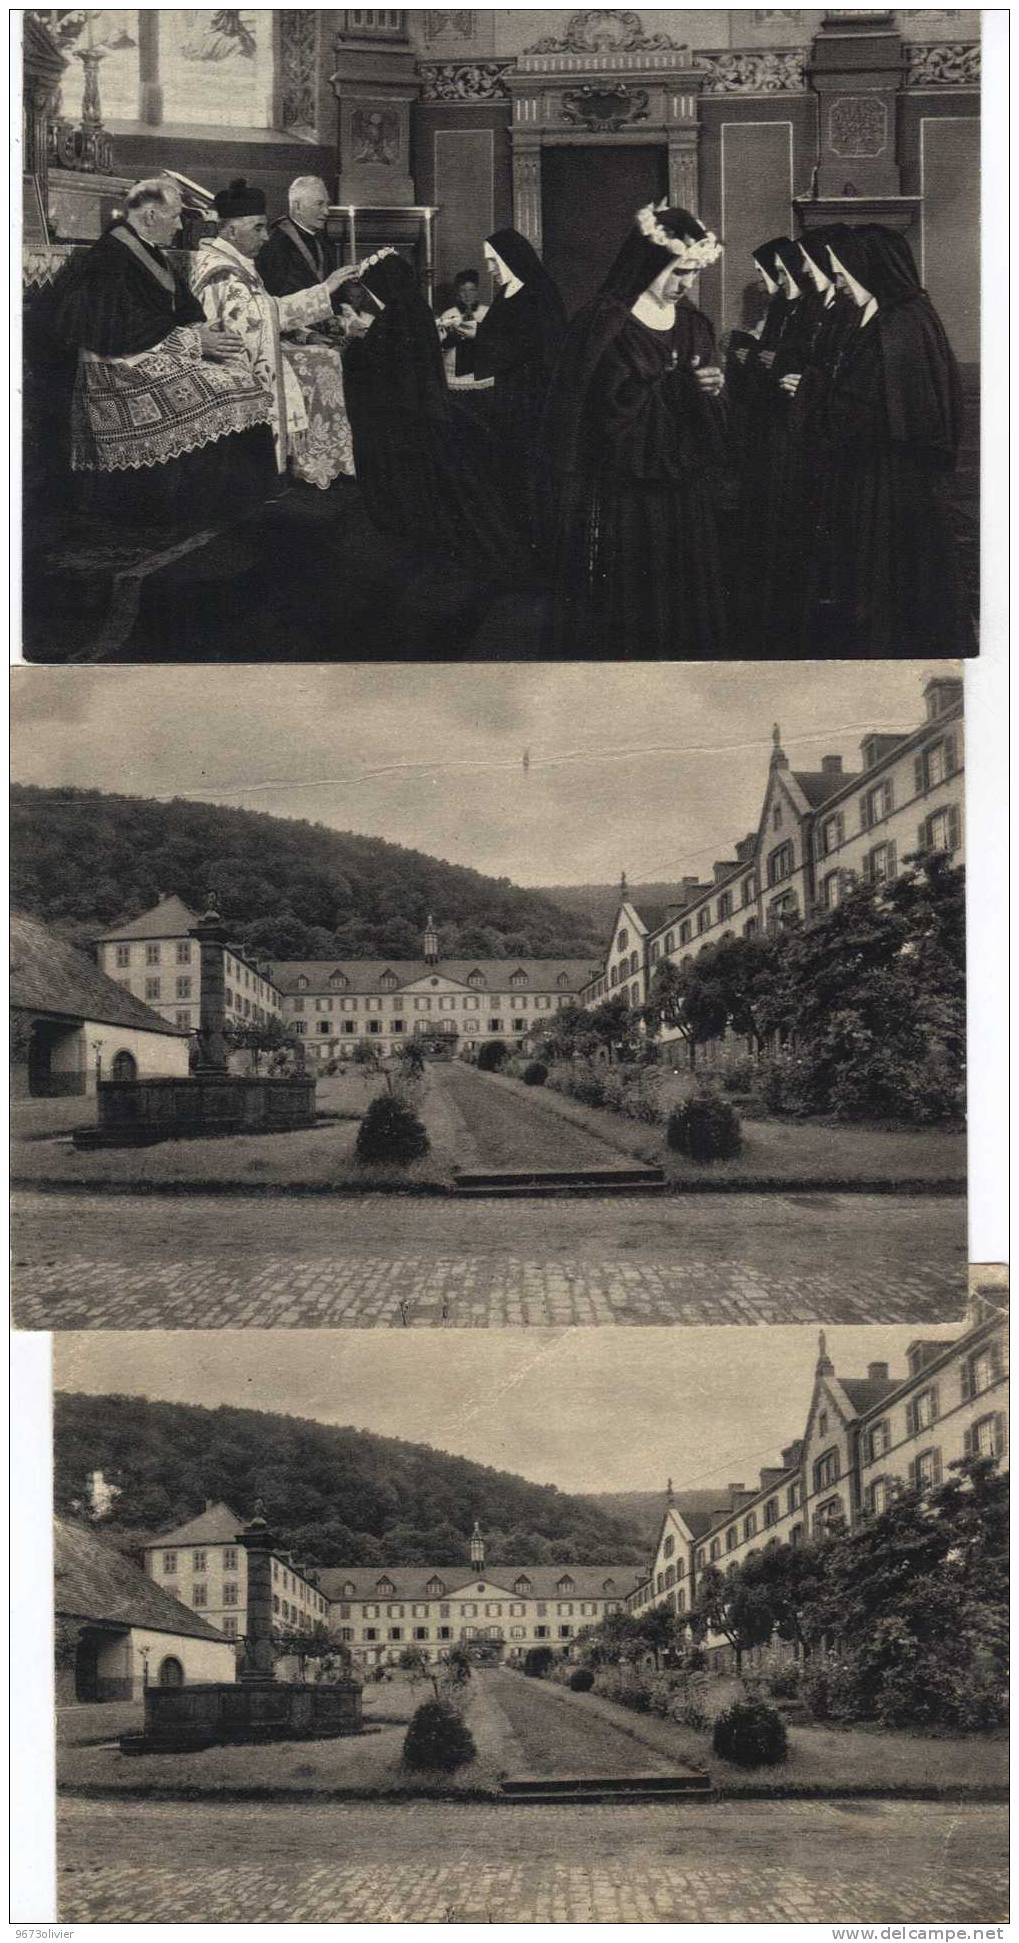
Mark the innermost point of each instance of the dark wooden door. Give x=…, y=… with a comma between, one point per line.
x=589, y=197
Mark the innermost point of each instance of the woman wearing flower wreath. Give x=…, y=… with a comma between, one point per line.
x=631, y=441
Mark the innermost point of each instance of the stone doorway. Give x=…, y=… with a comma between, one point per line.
x=589, y=196
x=171, y=1672
x=125, y=1066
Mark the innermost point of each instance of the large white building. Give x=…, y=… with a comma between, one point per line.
x=155, y=957
x=495, y=1611
x=202, y=1564
x=448, y=1004
x=819, y=830
x=863, y=1435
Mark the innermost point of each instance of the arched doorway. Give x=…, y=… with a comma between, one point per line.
x=171, y=1672
x=125, y=1066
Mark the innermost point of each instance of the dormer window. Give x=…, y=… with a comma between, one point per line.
x=563, y=980
x=385, y=1586
x=518, y=978
x=338, y=981
x=436, y=1587
x=608, y=1585
x=623, y=939
x=302, y=983
x=475, y=978
x=565, y=1584
x=388, y=980
x=348, y=1589
x=522, y=1584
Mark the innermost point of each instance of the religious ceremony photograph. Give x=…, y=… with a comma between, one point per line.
x=694, y=1627
x=500, y=334
x=374, y=998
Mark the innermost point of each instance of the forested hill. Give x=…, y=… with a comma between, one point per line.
x=595, y=905
x=336, y=1496
x=84, y=860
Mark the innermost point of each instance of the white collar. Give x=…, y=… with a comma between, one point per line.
x=657, y=317
x=303, y=227
x=869, y=310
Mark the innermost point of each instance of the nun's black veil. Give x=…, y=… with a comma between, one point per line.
x=403, y=343
x=634, y=270
x=543, y=297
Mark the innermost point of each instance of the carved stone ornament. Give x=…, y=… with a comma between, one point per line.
x=603, y=30
x=857, y=126
x=298, y=67
x=462, y=21
x=464, y=80
x=606, y=109
x=954, y=64
x=770, y=71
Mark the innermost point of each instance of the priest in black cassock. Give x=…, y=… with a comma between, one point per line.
x=884, y=572
x=167, y=423
x=634, y=540
x=297, y=255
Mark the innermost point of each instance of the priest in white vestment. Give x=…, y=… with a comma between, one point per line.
x=309, y=420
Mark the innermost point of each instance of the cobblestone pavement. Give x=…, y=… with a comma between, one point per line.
x=116, y=1262
x=767, y=1862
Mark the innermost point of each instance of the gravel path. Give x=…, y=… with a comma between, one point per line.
x=508, y=1130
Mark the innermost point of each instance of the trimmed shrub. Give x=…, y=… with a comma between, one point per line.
x=739, y=1077
x=581, y=1679
x=705, y=1128
x=751, y=1735
x=536, y=1073
x=784, y=1683
x=589, y=1090
x=391, y=1131
x=537, y=1661
x=438, y=1738
x=493, y=1056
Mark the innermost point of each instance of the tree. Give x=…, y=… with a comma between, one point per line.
x=616, y=1026
x=736, y=1606
x=733, y=981
x=270, y=1038
x=873, y=996
x=680, y=1002
x=567, y=1034
x=366, y=1055
x=661, y=1630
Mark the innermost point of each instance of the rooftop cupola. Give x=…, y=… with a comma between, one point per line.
x=477, y=1548
x=431, y=941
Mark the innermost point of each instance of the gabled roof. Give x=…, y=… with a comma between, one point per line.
x=411, y=1581
x=818, y=784
x=364, y=974
x=216, y=1525
x=170, y=918
x=92, y=1580
x=50, y=975
x=865, y=1391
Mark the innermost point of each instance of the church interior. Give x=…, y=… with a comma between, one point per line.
x=432, y=129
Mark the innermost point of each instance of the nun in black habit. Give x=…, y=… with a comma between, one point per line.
x=516, y=345
x=884, y=574
x=634, y=543
x=423, y=464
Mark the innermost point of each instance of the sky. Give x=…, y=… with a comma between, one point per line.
x=655, y=768
x=584, y=1409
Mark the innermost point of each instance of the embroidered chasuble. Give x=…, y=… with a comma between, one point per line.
x=304, y=381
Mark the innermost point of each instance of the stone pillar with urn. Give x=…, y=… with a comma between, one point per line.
x=259, y=1544
x=211, y=937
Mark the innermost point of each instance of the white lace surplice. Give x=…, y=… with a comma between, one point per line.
x=310, y=427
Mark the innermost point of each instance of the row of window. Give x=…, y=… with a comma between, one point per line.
x=339, y=982
x=153, y=953
x=371, y=1635
x=182, y=955
x=440, y=1002
x=586, y=1609
x=347, y=1028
